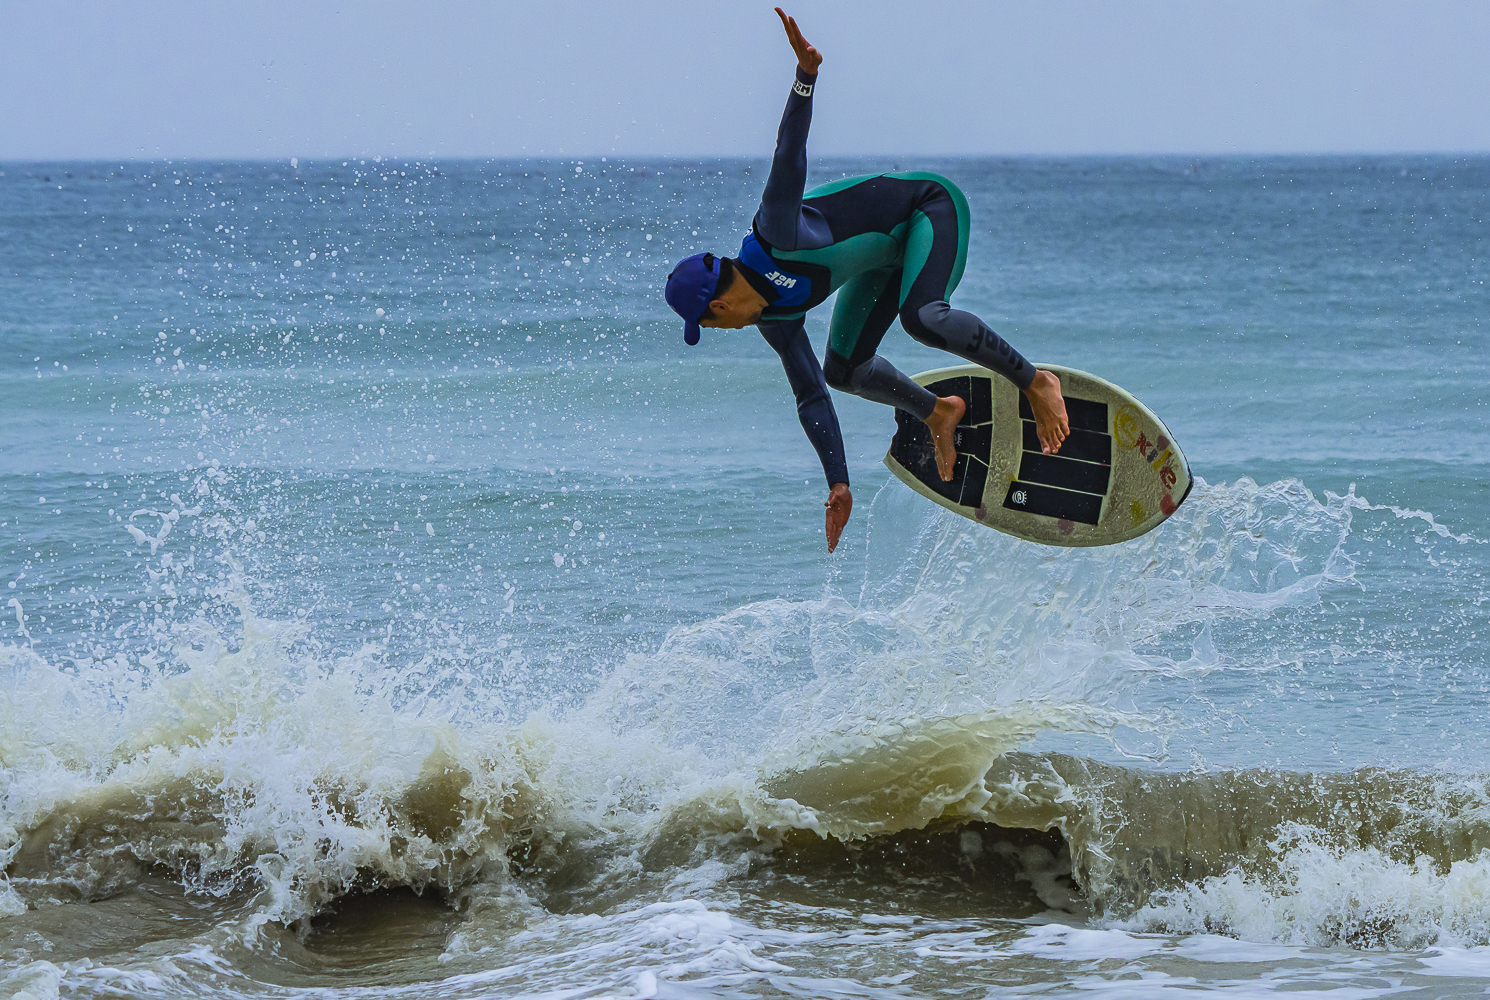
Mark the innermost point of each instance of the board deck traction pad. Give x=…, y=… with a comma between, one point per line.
x=1117, y=475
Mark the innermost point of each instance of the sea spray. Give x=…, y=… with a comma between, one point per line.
x=280, y=769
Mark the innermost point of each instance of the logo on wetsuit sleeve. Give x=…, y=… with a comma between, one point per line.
x=780, y=280
x=803, y=89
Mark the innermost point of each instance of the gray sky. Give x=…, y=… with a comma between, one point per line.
x=311, y=78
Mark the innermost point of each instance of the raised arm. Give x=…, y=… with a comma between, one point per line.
x=781, y=205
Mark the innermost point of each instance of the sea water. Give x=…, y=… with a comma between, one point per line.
x=393, y=604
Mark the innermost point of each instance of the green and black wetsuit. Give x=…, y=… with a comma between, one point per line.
x=890, y=245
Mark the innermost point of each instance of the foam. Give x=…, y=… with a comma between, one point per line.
x=33, y=981
x=642, y=948
x=1081, y=944
x=1446, y=960
x=1066, y=943
x=1323, y=895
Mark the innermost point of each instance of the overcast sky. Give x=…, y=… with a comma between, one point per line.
x=152, y=79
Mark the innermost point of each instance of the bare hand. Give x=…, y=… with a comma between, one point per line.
x=808, y=58
x=840, y=504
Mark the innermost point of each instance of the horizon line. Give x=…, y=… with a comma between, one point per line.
x=379, y=158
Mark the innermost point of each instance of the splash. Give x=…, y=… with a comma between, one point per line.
x=1322, y=891
x=248, y=760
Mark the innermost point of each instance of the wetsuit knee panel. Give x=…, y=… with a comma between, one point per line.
x=837, y=372
x=923, y=323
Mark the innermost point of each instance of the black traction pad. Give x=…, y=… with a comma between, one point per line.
x=1066, y=473
x=1068, y=505
x=1070, y=484
x=977, y=394
x=912, y=446
x=913, y=449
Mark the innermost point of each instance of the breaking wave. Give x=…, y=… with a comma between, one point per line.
x=250, y=765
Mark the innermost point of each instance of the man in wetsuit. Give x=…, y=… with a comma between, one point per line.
x=890, y=245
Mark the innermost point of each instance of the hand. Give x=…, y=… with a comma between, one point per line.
x=808, y=58
x=840, y=504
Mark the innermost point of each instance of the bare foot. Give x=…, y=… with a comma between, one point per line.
x=943, y=423
x=1051, y=423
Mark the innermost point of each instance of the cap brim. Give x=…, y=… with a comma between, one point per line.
x=690, y=334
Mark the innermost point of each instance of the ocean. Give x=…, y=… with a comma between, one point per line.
x=394, y=605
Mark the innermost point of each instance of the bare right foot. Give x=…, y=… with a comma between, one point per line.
x=943, y=424
x=1051, y=422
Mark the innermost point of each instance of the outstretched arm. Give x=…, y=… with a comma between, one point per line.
x=788, y=339
x=815, y=410
x=781, y=205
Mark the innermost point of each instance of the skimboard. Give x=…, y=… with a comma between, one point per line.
x=1118, y=474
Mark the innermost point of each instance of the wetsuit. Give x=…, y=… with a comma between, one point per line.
x=890, y=245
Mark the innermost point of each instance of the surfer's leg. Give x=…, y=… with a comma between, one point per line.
x=935, y=252
x=936, y=246
x=866, y=307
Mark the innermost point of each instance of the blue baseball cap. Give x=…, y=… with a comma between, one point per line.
x=690, y=289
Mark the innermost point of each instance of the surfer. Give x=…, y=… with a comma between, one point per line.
x=890, y=245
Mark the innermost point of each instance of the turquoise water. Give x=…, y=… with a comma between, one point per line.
x=393, y=599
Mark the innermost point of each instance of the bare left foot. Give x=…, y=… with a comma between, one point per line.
x=943, y=424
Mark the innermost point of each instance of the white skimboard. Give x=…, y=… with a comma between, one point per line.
x=1118, y=474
